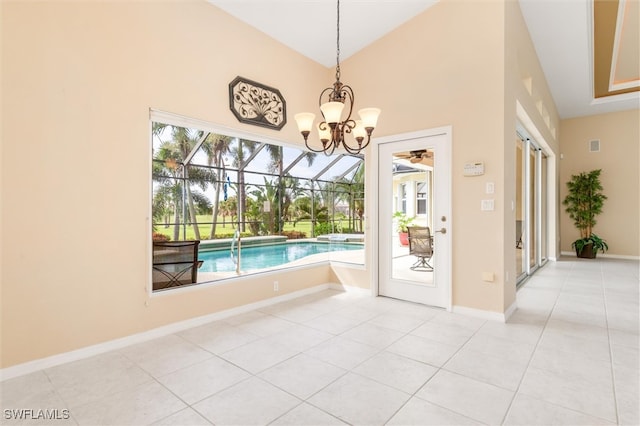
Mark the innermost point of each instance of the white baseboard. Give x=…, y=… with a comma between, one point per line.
x=603, y=255
x=510, y=310
x=350, y=289
x=100, y=348
x=487, y=315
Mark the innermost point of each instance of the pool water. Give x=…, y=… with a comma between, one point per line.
x=267, y=256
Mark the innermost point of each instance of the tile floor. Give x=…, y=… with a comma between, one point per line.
x=569, y=355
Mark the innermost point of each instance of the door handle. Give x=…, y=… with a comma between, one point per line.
x=442, y=231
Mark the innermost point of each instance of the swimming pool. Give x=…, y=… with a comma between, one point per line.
x=268, y=256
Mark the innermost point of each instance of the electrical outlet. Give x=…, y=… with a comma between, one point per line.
x=275, y=286
x=488, y=277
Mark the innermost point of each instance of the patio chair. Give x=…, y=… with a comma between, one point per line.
x=175, y=263
x=421, y=246
x=519, y=231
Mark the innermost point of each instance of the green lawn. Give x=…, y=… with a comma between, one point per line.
x=226, y=231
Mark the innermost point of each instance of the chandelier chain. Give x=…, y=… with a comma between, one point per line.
x=338, y=43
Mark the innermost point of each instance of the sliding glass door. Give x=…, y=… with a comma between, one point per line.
x=520, y=208
x=531, y=220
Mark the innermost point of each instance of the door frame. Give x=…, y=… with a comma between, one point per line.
x=373, y=204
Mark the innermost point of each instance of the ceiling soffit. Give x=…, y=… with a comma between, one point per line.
x=616, y=65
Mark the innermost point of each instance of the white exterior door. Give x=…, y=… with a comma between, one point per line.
x=414, y=178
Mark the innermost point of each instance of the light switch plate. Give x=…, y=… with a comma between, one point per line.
x=490, y=188
x=486, y=205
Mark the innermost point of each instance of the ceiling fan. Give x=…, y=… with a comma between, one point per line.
x=415, y=156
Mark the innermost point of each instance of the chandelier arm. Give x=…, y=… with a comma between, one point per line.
x=312, y=149
x=356, y=150
x=348, y=126
x=329, y=90
x=329, y=148
x=346, y=92
x=323, y=125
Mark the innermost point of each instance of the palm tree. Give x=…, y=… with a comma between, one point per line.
x=166, y=192
x=238, y=156
x=328, y=199
x=229, y=207
x=265, y=193
x=162, y=205
x=291, y=191
x=172, y=155
x=351, y=191
x=310, y=208
x=165, y=173
x=184, y=142
x=253, y=216
x=277, y=166
x=216, y=146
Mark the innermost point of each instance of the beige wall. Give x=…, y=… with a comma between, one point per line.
x=427, y=74
x=452, y=66
x=1, y=179
x=619, y=159
x=76, y=160
x=76, y=142
x=351, y=276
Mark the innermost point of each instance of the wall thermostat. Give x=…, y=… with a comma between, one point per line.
x=474, y=169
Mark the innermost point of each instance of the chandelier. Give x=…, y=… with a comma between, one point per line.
x=332, y=130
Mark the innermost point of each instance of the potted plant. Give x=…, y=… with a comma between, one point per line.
x=584, y=202
x=402, y=222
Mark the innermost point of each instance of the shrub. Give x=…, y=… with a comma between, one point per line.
x=294, y=235
x=350, y=231
x=232, y=234
x=322, y=228
x=160, y=237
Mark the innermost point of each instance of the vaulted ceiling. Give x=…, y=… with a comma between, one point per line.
x=589, y=52
x=588, y=49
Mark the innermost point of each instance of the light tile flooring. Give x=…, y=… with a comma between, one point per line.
x=569, y=355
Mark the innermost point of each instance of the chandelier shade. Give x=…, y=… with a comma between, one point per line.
x=305, y=121
x=334, y=102
x=331, y=111
x=369, y=117
x=359, y=131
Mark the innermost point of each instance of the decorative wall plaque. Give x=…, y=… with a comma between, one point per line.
x=255, y=103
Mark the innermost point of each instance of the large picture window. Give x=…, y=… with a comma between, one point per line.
x=251, y=206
